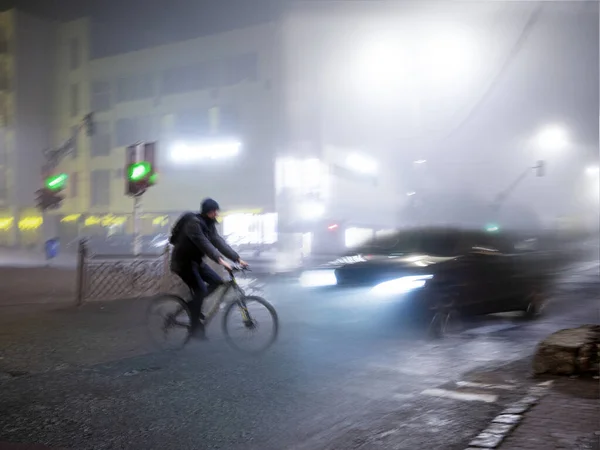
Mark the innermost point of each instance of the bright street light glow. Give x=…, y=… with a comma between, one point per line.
x=447, y=55
x=553, y=137
x=420, y=161
x=410, y=194
x=182, y=152
x=592, y=171
x=361, y=164
x=311, y=210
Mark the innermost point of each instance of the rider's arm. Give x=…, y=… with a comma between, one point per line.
x=198, y=237
x=223, y=247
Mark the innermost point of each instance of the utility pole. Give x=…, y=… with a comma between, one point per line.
x=48, y=197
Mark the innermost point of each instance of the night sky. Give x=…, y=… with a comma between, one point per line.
x=155, y=22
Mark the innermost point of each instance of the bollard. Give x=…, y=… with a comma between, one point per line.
x=166, y=269
x=81, y=272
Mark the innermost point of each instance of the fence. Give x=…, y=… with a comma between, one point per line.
x=112, y=277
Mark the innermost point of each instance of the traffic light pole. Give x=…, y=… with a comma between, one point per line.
x=140, y=172
x=502, y=196
x=137, y=235
x=137, y=211
x=53, y=157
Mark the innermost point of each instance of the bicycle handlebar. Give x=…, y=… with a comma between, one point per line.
x=237, y=268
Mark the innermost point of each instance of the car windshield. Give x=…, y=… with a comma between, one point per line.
x=437, y=243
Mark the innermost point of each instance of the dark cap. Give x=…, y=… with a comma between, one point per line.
x=209, y=205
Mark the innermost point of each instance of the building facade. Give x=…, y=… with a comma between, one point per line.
x=26, y=66
x=233, y=118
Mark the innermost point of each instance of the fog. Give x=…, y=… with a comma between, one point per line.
x=370, y=115
x=478, y=91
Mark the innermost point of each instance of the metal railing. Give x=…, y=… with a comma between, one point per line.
x=113, y=277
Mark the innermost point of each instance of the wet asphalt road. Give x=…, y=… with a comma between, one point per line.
x=346, y=373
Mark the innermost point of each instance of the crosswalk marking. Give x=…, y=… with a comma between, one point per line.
x=465, y=396
x=503, y=387
x=487, y=329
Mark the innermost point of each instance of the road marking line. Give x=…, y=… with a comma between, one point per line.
x=387, y=433
x=487, y=329
x=504, y=387
x=466, y=396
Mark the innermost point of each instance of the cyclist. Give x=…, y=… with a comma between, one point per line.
x=193, y=237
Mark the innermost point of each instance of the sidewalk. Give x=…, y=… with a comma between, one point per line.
x=33, y=258
x=21, y=286
x=568, y=417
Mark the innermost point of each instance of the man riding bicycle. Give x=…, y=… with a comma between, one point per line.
x=193, y=237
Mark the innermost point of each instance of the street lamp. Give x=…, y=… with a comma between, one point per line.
x=592, y=171
x=552, y=137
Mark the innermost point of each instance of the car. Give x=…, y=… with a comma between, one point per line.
x=469, y=272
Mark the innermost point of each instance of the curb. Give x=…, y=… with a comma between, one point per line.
x=506, y=422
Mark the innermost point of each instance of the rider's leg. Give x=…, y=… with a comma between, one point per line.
x=210, y=277
x=191, y=277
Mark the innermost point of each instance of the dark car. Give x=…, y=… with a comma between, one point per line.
x=473, y=272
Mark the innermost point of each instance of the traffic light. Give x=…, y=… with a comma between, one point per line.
x=49, y=196
x=56, y=183
x=48, y=199
x=88, y=122
x=140, y=170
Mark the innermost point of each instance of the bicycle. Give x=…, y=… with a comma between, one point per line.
x=239, y=301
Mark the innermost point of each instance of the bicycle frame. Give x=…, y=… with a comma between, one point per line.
x=228, y=286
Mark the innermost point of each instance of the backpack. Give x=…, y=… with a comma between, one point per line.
x=179, y=227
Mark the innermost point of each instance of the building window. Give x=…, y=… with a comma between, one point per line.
x=191, y=123
x=73, y=184
x=210, y=74
x=75, y=150
x=184, y=79
x=101, y=140
x=74, y=54
x=133, y=88
x=100, y=188
x=240, y=68
x=228, y=120
x=101, y=96
x=127, y=132
x=131, y=130
x=3, y=186
x=74, y=100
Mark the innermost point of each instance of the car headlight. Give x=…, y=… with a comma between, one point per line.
x=318, y=278
x=401, y=285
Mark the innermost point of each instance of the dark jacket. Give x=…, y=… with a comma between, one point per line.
x=194, y=237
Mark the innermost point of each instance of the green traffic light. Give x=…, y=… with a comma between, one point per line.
x=139, y=171
x=56, y=182
x=492, y=228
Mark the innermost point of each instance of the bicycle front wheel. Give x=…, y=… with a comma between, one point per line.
x=250, y=318
x=168, y=321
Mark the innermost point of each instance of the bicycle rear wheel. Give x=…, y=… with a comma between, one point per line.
x=168, y=321
x=247, y=317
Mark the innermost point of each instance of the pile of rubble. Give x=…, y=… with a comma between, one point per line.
x=573, y=351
